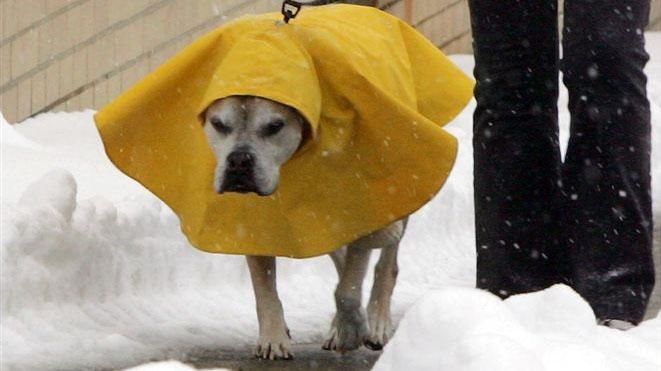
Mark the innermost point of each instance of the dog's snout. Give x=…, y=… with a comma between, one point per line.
x=240, y=161
x=239, y=173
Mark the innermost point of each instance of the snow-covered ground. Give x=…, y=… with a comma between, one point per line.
x=468, y=329
x=96, y=274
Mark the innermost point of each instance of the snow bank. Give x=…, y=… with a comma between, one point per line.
x=96, y=274
x=466, y=329
x=60, y=140
x=11, y=137
x=87, y=285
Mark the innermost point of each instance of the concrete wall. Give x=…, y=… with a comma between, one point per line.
x=75, y=54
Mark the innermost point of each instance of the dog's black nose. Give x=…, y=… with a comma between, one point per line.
x=240, y=161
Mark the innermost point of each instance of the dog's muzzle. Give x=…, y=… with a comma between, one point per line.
x=239, y=173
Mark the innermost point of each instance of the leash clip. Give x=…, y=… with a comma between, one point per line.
x=290, y=9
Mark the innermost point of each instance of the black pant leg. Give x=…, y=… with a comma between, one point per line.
x=517, y=158
x=607, y=167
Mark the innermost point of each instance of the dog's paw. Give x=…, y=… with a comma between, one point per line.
x=274, y=347
x=348, y=331
x=379, y=332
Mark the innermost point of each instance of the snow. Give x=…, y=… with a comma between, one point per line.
x=95, y=273
x=64, y=140
x=554, y=329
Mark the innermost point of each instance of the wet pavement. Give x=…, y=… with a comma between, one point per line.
x=307, y=357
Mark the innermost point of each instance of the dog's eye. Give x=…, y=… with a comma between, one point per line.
x=219, y=125
x=273, y=128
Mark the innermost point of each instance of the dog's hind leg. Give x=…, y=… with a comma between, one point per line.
x=339, y=256
x=274, y=341
x=385, y=276
x=378, y=308
x=349, y=327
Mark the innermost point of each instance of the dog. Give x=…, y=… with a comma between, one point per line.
x=251, y=138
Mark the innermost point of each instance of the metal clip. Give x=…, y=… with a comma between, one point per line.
x=290, y=9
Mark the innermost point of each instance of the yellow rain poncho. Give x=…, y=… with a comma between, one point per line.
x=376, y=95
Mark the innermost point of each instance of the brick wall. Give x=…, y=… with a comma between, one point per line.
x=75, y=54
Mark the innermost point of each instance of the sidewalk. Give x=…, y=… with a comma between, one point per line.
x=307, y=357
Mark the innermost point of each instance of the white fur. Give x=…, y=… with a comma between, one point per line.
x=247, y=117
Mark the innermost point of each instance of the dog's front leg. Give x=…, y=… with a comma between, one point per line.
x=274, y=341
x=349, y=327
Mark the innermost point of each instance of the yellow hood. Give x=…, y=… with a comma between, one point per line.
x=375, y=92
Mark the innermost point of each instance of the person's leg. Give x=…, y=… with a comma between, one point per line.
x=607, y=167
x=517, y=158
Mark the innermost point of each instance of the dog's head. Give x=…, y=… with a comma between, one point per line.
x=251, y=138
